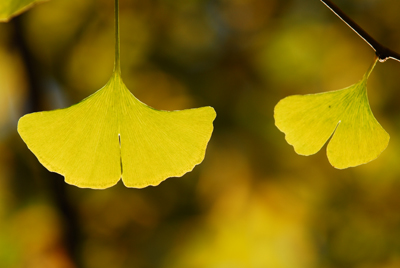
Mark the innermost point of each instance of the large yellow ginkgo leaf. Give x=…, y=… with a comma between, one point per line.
x=310, y=120
x=112, y=135
x=11, y=8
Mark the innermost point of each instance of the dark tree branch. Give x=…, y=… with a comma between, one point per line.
x=381, y=51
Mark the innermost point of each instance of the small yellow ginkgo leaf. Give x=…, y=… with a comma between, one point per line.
x=310, y=120
x=111, y=134
x=11, y=8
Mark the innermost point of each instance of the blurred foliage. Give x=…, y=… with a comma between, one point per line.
x=253, y=202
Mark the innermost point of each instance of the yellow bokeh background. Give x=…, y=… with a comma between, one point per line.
x=253, y=202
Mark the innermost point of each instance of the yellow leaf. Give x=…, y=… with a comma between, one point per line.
x=310, y=120
x=112, y=135
x=12, y=8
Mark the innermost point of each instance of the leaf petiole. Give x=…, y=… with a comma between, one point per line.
x=117, y=64
x=369, y=71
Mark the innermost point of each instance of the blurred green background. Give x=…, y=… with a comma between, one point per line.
x=253, y=202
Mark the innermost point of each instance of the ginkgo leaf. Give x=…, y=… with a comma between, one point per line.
x=12, y=8
x=344, y=115
x=111, y=135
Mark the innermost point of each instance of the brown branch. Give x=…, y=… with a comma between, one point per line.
x=381, y=51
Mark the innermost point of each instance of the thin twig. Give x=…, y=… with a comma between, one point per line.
x=381, y=51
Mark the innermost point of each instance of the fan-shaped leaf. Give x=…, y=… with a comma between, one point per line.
x=310, y=120
x=112, y=135
x=11, y=8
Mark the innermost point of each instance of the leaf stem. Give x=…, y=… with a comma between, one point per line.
x=383, y=53
x=117, y=64
x=371, y=67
